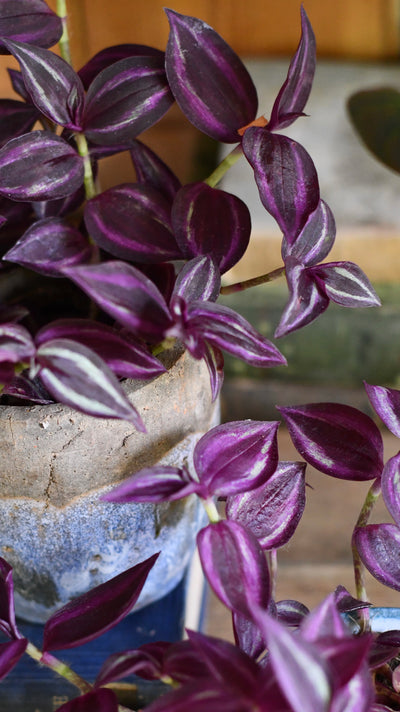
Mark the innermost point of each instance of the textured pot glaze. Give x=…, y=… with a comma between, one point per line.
x=56, y=533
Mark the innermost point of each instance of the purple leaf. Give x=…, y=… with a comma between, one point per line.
x=52, y=84
x=384, y=647
x=199, y=279
x=236, y=456
x=182, y=662
x=386, y=403
x=324, y=622
x=162, y=483
x=347, y=657
x=17, y=84
x=286, y=178
x=48, y=246
x=295, y=91
x=390, y=487
x=39, y=166
x=152, y=170
x=306, y=301
x=315, y=240
x=215, y=364
x=125, y=356
x=127, y=295
x=357, y=696
x=59, y=208
x=346, y=284
x=125, y=99
x=16, y=343
x=248, y=636
x=88, y=616
x=7, y=611
x=345, y=602
x=200, y=695
x=146, y=662
x=209, y=221
x=338, y=440
x=225, y=547
x=10, y=654
x=132, y=222
x=108, y=56
x=30, y=389
x=95, y=701
x=291, y=613
x=379, y=548
x=208, y=80
x=78, y=377
x=29, y=21
x=273, y=510
x=16, y=118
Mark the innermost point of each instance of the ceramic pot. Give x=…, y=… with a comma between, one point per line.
x=56, y=533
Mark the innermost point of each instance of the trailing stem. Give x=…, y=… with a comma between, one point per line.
x=227, y=163
x=253, y=282
x=64, y=40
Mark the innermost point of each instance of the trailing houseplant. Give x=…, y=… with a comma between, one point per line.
x=149, y=256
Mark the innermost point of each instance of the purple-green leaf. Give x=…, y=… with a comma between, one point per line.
x=379, y=548
x=29, y=21
x=337, y=439
x=101, y=700
x=346, y=284
x=10, y=654
x=52, y=84
x=386, y=403
x=39, y=166
x=77, y=376
x=88, y=616
x=125, y=99
x=150, y=169
x=208, y=80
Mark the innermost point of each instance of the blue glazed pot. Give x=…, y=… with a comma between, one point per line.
x=381, y=619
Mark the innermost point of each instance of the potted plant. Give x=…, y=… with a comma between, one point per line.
x=134, y=272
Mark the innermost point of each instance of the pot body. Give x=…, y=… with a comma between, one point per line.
x=60, y=538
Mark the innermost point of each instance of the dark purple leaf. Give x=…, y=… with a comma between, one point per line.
x=125, y=356
x=16, y=118
x=390, y=487
x=346, y=603
x=338, y=440
x=29, y=21
x=10, y=654
x=7, y=611
x=202, y=695
x=208, y=80
x=102, y=700
x=16, y=343
x=108, y=56
x=315, y=240
x=273, y=510
x=88, y=616
x=132, y=222
x=293, y=95
x=357, y=696
x=225, y=547
x=236, y=456
x=78, y=377
x=39, y=166
x=59, y=208
x=248, y=636
x=152, y=170
x=386, y=403
x=49, y=245
x=162, y=483
x=346, y=284
x=379, y=548
x=286, y=178
x=125, y=99
x=52, y=84
x=26, y=388
x=346, y=656
x=384, y=647
x=199, y=279
x=291, y=613
x=127, y=295
x=306, y=301
x=209, y=221
x=215, y=364
x=17, y=84
x=183, y=664
x=146, y=662
x=324, y=622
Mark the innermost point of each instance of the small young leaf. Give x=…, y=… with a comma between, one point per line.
x=199, y=279
x=386, y=403
x=151, y=170
x=101, y=700
x=10, y=654
x=379, y=548
x=315, y=240
x=346, y=284
x=290, y=612
x=306, y=301
x=29, y=21
x=88, y=616
x=195, y=55
x=162, y=483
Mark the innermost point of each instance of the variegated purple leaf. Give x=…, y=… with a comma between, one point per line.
x=200, y=695
x=124, y=355
x=293, y=95
x=386, y=403
x=237, y=456
x=7, y=612
x=302, y=673
x=102, y=700
x=31, y=389
x=88, y=616
x=306, y=301
x=161, y=483
x=346, y=603
x=146, y=662
x=127, y=295
x=183, y=664
x=225, y=547
x=337, y=439
x=17, y=84
x=48, y=246
x=29, y=21
x=10, y=654
x=199, y=279
x=39, y=166
x=59, y=208
x=16, y=118
x=346, y=284
x=273, y=510
x=316, y=238
x=132, y=222
x=52, y=84
x=347, y=657
x=390, y=483
x=290, y=612
x=385, y=647
x=286, y=178
x=357, y=696
x=16, y=343
x=194, y=54
x=125, y=99
x=210, y=221
x=152, y=170
x=108, y=56
x=215, y=363
x=379, y=549
x=324, y=622
x=248, y=636
x=78, y=377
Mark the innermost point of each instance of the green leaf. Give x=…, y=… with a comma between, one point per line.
x=375, y=115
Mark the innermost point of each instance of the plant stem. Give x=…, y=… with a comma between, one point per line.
x=90, y=188
x=59, y=667
x=211, y=509
x=64, y=41
x=253, y=282
x=273, y=567
x=229, y=161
